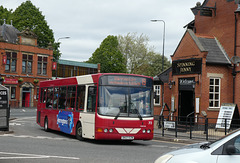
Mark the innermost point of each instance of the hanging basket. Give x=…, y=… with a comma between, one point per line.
x=36, y=81
x=20, y=79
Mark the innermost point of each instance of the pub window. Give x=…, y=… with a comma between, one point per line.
x=12, y=91
x=11, y=61
x=71, y=97
x=49, y=102
x=80, y=97
x=27, y=61
x=214, y=93
x=157, y=90
x=62, y=98
x=42, y=65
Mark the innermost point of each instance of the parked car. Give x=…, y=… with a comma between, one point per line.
x=224, y=150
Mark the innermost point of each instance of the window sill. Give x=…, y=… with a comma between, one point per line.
x=213, y=109
x=14, y=72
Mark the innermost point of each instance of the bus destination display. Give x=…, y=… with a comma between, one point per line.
x=126, y=80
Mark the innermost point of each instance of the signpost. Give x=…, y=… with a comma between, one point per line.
x=225, y=116
x=4, y=109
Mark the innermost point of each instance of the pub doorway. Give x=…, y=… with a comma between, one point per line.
x=26, y=97
x=186, y=101
x=186, y=106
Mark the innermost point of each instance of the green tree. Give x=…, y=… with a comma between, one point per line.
x=5, y=14
x=109, y=56
x=155, y=64
x=134, y=49
x=28, y=16
x=140, y=58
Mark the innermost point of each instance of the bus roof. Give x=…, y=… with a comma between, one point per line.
x=83, y=79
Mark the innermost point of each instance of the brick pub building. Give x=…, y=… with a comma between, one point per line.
x=23, y=65
x=205, y=65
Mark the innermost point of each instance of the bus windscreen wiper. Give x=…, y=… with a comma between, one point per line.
x=117, y=115
x=139, y=115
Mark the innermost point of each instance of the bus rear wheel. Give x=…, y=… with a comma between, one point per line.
x=79, y=131
x=46, y=124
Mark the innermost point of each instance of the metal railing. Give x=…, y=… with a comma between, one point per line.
x=197, y=127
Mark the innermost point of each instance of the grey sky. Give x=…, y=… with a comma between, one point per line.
x=89, y=22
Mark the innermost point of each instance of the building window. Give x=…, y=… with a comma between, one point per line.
x=12, y=91
x=157, y=90
x=214, y=93
x=11, y=61
x=42, y=65
x=27, y=63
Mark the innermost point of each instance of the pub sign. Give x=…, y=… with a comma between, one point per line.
x=187, y=66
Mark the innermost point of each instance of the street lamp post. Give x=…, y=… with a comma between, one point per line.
x=162, y=56
x=58, y=52
x=163, y=40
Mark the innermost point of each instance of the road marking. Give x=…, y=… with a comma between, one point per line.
x=164, y=146
x=172, y=142
x=19, y=119
x=37, y=137
x=15, y=124
x=28, y=156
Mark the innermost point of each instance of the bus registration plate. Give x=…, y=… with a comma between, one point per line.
x=127, y=137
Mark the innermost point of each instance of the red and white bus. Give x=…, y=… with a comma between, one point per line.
x=98, y=106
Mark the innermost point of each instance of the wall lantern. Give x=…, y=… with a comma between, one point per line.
x=194, y=84
x=171, y=83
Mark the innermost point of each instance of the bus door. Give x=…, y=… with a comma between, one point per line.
x=88, y=116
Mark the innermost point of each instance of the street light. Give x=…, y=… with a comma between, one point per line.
x=163, y=40
x=162, y=57
x=58, y=52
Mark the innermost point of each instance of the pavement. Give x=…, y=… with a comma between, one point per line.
x=169, y=136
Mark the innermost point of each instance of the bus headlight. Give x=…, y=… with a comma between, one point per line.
x=111, y=130
x=148, y=131
x=105, y=130
x=144, y=131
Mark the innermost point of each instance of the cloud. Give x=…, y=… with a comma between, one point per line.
x=89, y=22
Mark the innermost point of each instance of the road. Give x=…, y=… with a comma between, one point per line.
x=30, y=143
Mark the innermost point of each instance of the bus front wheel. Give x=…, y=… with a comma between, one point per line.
x=46, y=124
x=79, y=131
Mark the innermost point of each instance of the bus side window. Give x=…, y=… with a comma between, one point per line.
x=43, y=95
x=62, y=98
x=49, y=98
x=91, y=102
x=80, y=97
x=71, y=97
x=55, y=97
